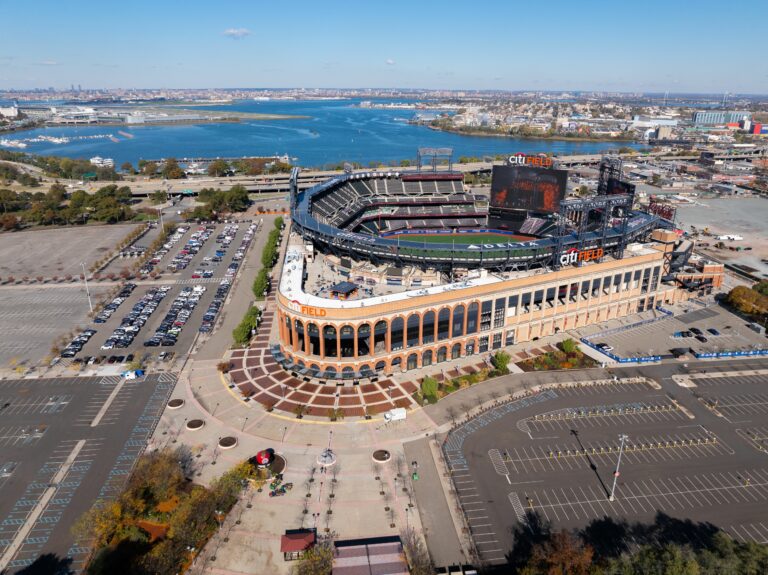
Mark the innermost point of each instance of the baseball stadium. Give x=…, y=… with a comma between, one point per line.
x=392, y=271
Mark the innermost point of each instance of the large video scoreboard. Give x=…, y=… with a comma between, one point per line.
x=527, y=188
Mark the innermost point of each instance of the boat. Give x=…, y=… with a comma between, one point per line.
x=12, y=143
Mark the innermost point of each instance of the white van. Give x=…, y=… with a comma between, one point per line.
x=395, y=414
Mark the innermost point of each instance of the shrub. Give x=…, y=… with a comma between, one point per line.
x=224, y=366
x=500, y=361
x=569, y=345
x=429, y=389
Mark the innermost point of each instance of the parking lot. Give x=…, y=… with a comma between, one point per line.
x=54, y=462
x=554, y=454
x=718, y=330
x=33, y=317
x=170, y=314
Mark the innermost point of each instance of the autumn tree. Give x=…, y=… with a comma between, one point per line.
x=218, y=168
x=171, y=170
x=560, y=554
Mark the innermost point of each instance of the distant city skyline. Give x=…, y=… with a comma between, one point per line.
x=586, y=46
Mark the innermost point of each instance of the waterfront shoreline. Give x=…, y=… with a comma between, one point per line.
x=559, y=138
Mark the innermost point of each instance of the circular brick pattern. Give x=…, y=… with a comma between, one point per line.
x=381, y=456
x=175, y=403
x=228, y=442
x=195, y=424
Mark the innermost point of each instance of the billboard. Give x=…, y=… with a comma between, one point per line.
x=619, y=187
x=524, y=188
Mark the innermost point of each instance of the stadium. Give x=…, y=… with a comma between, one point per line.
x=393, y=271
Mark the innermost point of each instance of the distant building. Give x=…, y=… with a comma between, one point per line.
x=663, y=132
x=9, y=111
x=719, y=117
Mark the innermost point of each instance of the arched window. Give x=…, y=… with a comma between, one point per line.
x=289, y=333
x=428, y=331
x=397, y=362
x=456, y=351
x=347, y=373
x=442, y=354
x=412, y=362
x=314, y=369
x=314, y=339
x=380, y=365
x=458, y=321
x=347, y=335
x=363, y=340
x=300, y=364
x=330, y=369
x=443, y=322
x=380, y=337
x=329, y=337
x=364, y=369
x=397, y=333
x=299, y=335
x=472, y=317
x=426, y=358
x=412, y=333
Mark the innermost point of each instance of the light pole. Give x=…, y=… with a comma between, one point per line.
x=87, y=291
x=623, y=438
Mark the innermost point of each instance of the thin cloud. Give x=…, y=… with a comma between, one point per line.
x=390, y=62
x=48, y=63
x=237, y=33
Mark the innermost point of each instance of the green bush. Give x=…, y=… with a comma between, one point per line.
x=500, y=361
x=260, y=284
x=569, y=345
x=429, y=389
x=242, y=333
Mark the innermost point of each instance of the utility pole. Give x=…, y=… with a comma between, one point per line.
x=87, y=291
x=623, y=438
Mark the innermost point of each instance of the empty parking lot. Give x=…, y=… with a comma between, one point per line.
x=55, y=462
x=554, y=454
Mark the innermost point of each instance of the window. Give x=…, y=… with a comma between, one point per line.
x=472, y=318
x=456, y=351
x=538, y=298
x=627, y=280
x=314, y=339
x=469, y=349
x=329, y=337
x=510, y=338
x=347, y=372
x=426, y=358
x=380, y=365
x=428, y=330
x=412, y=334
x=483, y=347
x=458, y=321
x=485, y=315
x=655, y=280
x=616, y=283
x=636, y=279
x=526, y=302
x=288, y=330
x=380, y=337
x=549, y=299
x=442, y=354
x=443, y=324
x=363, y=339
x=397, y=333
x=513, y=300
x=299, y=335
x=585, y=290
x=412, y=362
x=498, y=313
x=496, y=340
x=347, y=336
x=606, y=285
x=646, y=280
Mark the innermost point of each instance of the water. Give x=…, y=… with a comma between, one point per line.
x=335, y=131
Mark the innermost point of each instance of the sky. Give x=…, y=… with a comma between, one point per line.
x=619, y=46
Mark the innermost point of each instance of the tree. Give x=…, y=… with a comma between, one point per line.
x=429, y=388
x=500, y=361
x=317, y=560
x=561, y=554
x=172, y=171
x=159, y=197
x=127, y=167
x=218, y=168
x=9, y=222
x=148, y=168
x=569, y=345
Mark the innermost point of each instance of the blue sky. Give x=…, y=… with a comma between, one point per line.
x=675, y=45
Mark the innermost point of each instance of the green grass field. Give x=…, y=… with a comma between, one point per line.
x=459, y=238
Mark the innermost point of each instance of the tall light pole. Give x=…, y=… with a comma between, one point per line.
x=623, y=438
x=87, y=291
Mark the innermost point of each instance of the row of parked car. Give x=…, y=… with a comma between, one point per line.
x=112, y=306
x=131, y=324
x=182, y=259
x=76, y=345
x=174, y=321
x=162, y=251
x=209, y=318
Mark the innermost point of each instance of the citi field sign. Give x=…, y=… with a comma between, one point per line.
x=574, y=256
x=307, y=309
x=521, y=159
